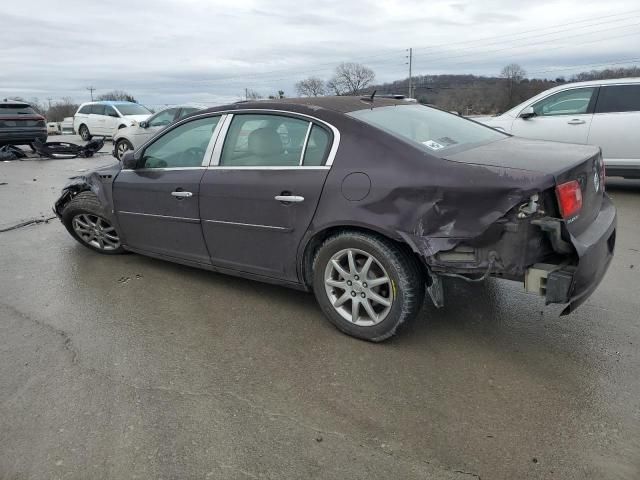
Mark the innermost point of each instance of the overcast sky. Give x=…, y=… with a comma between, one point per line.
x=170, y=51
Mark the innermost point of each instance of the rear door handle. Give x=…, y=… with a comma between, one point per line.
x=576, y=121
x=181, y=194
x=289, y=198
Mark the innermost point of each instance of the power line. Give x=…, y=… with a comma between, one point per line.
x=331, y=65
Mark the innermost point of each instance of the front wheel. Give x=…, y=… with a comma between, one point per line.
x=366, y=285
x=86, y=221
x=84, y=133
x=122, y=146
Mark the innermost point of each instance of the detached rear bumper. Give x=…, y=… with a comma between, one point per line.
x=595, y=247
x=574, y=283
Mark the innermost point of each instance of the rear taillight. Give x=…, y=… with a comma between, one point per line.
x=569, y=198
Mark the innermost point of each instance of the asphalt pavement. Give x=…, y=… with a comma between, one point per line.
x=129, y=367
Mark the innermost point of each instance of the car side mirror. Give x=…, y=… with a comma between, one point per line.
x=144, y=124
x=129, y=161
x=528, y=113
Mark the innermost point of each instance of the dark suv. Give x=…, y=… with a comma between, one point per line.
x=20, y=124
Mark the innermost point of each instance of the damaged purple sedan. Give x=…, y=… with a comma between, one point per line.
x=368, y=202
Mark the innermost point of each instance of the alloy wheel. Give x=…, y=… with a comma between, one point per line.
x=121, y=148
x=358, y=287
x=96, y=231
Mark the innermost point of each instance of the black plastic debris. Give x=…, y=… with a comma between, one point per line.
x=11, y=152
x=68, y=150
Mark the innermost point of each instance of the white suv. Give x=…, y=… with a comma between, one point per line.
x=605, y=113
x=105, y=118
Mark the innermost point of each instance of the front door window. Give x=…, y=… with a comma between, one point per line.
x=182, y=147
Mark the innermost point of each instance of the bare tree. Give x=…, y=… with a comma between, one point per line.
x=310, y=87
x=62, y=109
x=117, y=95
x=350, y=78
x=514, y=74
x=252, y=95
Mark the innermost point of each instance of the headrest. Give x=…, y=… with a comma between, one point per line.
x=265, y=141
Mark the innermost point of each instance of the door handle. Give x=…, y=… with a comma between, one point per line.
x=576, y=121
x=289, y=198
x=180, y=194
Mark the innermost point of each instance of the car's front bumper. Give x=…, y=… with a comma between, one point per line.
x=595, y=247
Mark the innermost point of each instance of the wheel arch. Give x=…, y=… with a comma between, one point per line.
x=313, y=241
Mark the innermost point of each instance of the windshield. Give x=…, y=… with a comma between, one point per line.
x=132, y=109
x=16, y=109
x=432, y=130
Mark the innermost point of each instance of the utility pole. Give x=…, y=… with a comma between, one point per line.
x=246, y=93
x=91, y=89
x=410, y=57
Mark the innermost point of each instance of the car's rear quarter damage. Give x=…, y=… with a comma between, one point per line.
x=493, y=212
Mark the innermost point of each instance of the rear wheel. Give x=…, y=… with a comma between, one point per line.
x=366, y=285
x=122, y=146
x=84, y=133
x=85, y=220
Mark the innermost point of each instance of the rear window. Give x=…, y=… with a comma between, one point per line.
x=132, y=109
x=432, y=130
x=619, y=98
x=16, y=109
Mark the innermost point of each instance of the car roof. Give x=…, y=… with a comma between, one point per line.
x=14, y=102
x=110, y=102
x=340, y=104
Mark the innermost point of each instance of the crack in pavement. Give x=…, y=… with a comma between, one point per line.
x=26, y=223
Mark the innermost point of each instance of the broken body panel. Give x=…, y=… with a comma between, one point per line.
x=485, y=210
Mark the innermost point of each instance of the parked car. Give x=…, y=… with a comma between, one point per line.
x=53, y=128
x=66, y=126
x=605, y=113
x=106, y=117
x=132, y=137
x=20, y=124
x=362, y=201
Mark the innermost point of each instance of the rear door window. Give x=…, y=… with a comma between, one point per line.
x=264, y=140
x=97, y=109
x=110, y=111
x=618, y=98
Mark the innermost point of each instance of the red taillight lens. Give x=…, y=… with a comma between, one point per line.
x=569, y=198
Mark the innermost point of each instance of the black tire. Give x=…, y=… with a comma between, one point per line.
x=406, y=274
x=122, y=143
x=84, y=133
x=87, y=204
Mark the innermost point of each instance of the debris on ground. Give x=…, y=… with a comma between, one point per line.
x=11, y=152
x=64, y=150
x=26, y=223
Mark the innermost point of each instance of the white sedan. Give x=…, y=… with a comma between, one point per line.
x=605, y=113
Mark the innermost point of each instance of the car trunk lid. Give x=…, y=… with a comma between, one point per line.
x=565, y=162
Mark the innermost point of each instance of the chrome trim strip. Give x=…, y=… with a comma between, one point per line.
x=167, y=169
x=206, y=159
x=217, y=151
x=246, y=167
x=181, y=219
x=304, y=145
x=250, y=225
